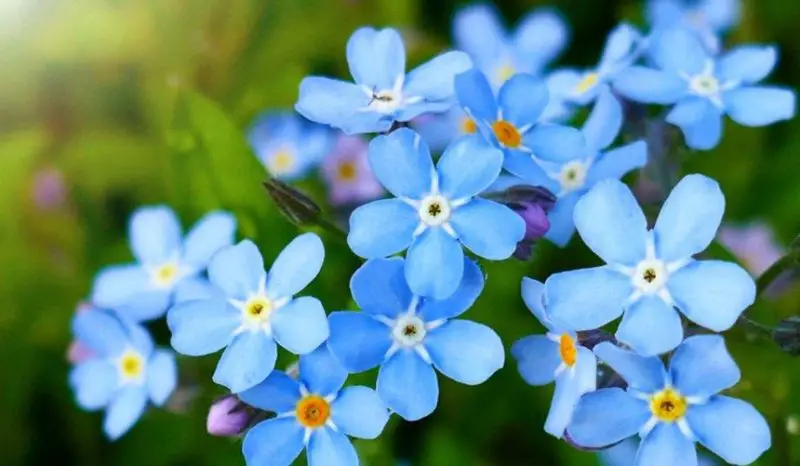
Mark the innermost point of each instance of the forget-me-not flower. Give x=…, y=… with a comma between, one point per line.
x=314, y=414
x=624, y=454
x=124, y=372
x=166, y=261
x=706, y=18
x=435, y=210
x=408, y=336
x=382, y=92
x=648, y=273
x=556, y=356
x=254, y=310
x=347, y=173
x=671, y=410
x=704, y=88
x=440, y=129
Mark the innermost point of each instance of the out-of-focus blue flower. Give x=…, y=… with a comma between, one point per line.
x=314, y=414
x=671, y=410
x=439, y=130
x=287, y=145
x=254, y=310
x=166, y=261
x=124, y=372
x=348, y=175
x=706, y=18
x=704, y=88
x=539, y=39
x=382, y=92
x=624, y=454
x=572, y=178
x=435, y=211
x=556, y=356
x=648, y=273
x=408, y=336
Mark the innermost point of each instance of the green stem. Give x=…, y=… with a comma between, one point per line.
x=787, y=262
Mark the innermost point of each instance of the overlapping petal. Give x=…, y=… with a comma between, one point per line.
x=434, y=264
x=296, y=266
x=278, y=393
x=358, y=340
x=202, y=327
x=246, y=362
x=702, y=367
x=537, y=359
x=586, y=299
x=402, y=163
x=359, y=412
x=731, y=428
x=379, y=287
x=301, y=325
x=646, y=374
x=211, y=233
x=467, y=167
x=462, y=299
x=382, y=228
x=408, y=385
x=487, y=228
x=650, y=326
x=606, y=417
x=465, y=351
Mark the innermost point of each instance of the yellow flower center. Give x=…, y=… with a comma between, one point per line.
x=668, y=405
x=281, y=162
x=312, y=411
x=165, y=275
x=504, y=72
x=588, y=82
x=468, y=126
x=568, y=350
x=258, y=308
x=346, y=171
x=507, y=134
x=131, y=365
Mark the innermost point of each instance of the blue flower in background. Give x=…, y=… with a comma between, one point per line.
x=252, y=310
x=706, y=18
x=123, y=373
x=287, y=145
x=572, y=178
x=671, y=410
x=557, y=356
x=648, y=273
x=313, y=413
x=624, y=454
x=166, y=261
x=703, y=88
x=382, y=92
x=408, y=336
x=435, y=211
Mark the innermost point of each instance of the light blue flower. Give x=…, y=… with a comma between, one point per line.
x=435, y=211
x=165, y=261
x=408, y=336
x=704, y=88
x=124, y=372
x=648, y=273
x=252, y=310
x=706, y=18
x=571, y=179
x=671, y=410
x=314, y=414
x=287, y=145
x=439, y=130
x=382, y=92
x=556, y=356
x=624, y=454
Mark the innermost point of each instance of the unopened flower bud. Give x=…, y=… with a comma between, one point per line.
x=228, y=417
x=532, y=203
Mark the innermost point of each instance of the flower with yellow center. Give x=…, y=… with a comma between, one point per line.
x=346, y=171
x=281, y=162
x=165, y=275
x=589, y=81
x=468, y=125
x=131, y=366
x=668, y=405
x=567, y=349
x=507, y=134
x=504, y=72
x=312, y=411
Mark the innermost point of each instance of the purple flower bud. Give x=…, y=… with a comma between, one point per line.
x=228, y=417
x=532, y=203
x=536, y=222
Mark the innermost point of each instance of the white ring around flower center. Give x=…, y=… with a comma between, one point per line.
x=650, y=276
x=385, y=101
x=573, y=175
x=434, y=210
x=408, y=331
x=705, y=85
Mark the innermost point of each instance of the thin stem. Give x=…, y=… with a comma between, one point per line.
x=787, y=262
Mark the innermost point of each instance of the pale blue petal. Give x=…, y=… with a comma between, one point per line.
x=604, y=123
x=525, y=170
x=555, y=143
x=237, y=270
x=476, y=96
x=650, y=86
x=586, y=299
x=465, y=351
x=246, y=362
x=278, y=393
x=666, y=445
x=618, y=162
x=94, y=382
x=689, y=218
x=702, y=367
x=477, y=30
x=139, y=337
x=101, y=331
x=663, y=13
x=712, y=294
x=533, y=296
x=731, y=428
x=155, y=235
x=359, y=412
x=522, y=99
x=162, y=376
x=202, y=327
x=382, y=228
x=379, y=287
x=402, y=162
x=301, y=325
x=706, y=132
x=646, y=374
x=619, y=47
x=541, y=36
x=331, y=448
x=679, y=51
x=339, y=104
x=434, y=264
x=147, y=305
x=408, y=385
x=760, y=105
x=562, y=83
x=569, y=388
x=722, y=15
x=650, y=326
x=296, y=266
x=211, y=233
x=747, y=63
x=194, y=288
x=434, y=80
x=376, y=57
x=621, y=454
x=562, y=225
x=462, y=299
x=125, y=409
x=537, y=357
x=116, y=285
x=275, y=442
x=607, y=416
x=467, y=167
x=688, y=112
x=321, y=372
x=358, y=340
x=487, y=228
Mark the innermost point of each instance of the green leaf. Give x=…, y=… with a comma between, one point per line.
x=787, y=335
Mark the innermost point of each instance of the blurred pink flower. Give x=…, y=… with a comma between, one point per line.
x=78, y=352
x=347, y=173
x=49, y=189
x=754, y=244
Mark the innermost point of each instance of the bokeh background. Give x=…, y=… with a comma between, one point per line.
x=95, y=121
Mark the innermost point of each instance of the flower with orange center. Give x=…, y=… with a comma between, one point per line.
x=346, y=171
x=567, y=349
x=468, y=126
x=668, y=405
x=312, y=411
x=507, y=134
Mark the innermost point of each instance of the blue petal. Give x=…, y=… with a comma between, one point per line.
x=275, y=442
x=488, y=229
x=612, y=224
x=116, y=285
x=606, y=417
x=408, y=385
x=376, y=58
x=155, y=235
x=339, y=104
x=730, y=428
x=650, y=326
x=101, y=331
x=747, y=64
x=123, y=412
x=617, y=162
x=712, y=293
x=522, y=165
x=533, y=296
x=537, y=357
x=402, y=162
x=94, y=382
x=237, y=270
x=477, y=30
x=193, y=288
x=278, y=393
x=467, y=167
x=162, y=376
x=619, y=47
x=476, y=96
x=702, y=367
x=434, y=80
x=296, y=266
x=301, y=325
x=541, y=36
x=688, y=112
x=569, y=388
x=434, y=264
x=586, y=299
x=382, y=228
x=689, y=218
x=666, y=445
x=465, y=351
x=358, y=340
x=604, y=123
x=760, y=105
x=462, y=299
x=359, y=412
x=321, y=372
x=646, y=374
x=379, y=287
x=721, y=15
x=679, y=51
x=706, y=132
x=331, y=448
x=621, y=454
x=211, y=233
x=522, y=99
x=246, y=362
x=555, y=143
x=147, y=305
x=202, y=327
x=139, y=337
x=650, y=86
x=561, y=217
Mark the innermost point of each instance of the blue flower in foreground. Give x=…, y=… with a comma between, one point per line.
x=165, y=261
x=408, y=336
x=572, y=178
x=382, y=92
x=650, y=272
x=435, y=210
x=703, y=89
x=252, y=310
x=541, y=359
x=706, y=18
x=124, y=372
x=624, y=454
x=287, y=145
x=671, y=410
x=313, y=413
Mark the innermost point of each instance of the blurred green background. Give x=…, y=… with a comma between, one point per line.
x=95, y=94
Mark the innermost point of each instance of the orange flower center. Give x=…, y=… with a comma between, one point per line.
x=566, y=346
x=668, y=405
x=313, y=411
x=468, y=126
x=347, y=171
x=507, y=134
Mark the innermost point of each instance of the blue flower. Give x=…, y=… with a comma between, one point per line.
x=703, y=88
x=165, y=261
x=287, y=145
x=572, y=178
x=253, y=310
x=539, y=39
x=706, y=18
x=382, y=92
x=557, y=356
x=671, y=410
x=650, y=272
x=624, y=454
x=313, y=413
x=124, y=372
x=408, y=336
x=439, y=130
x=435, y=210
